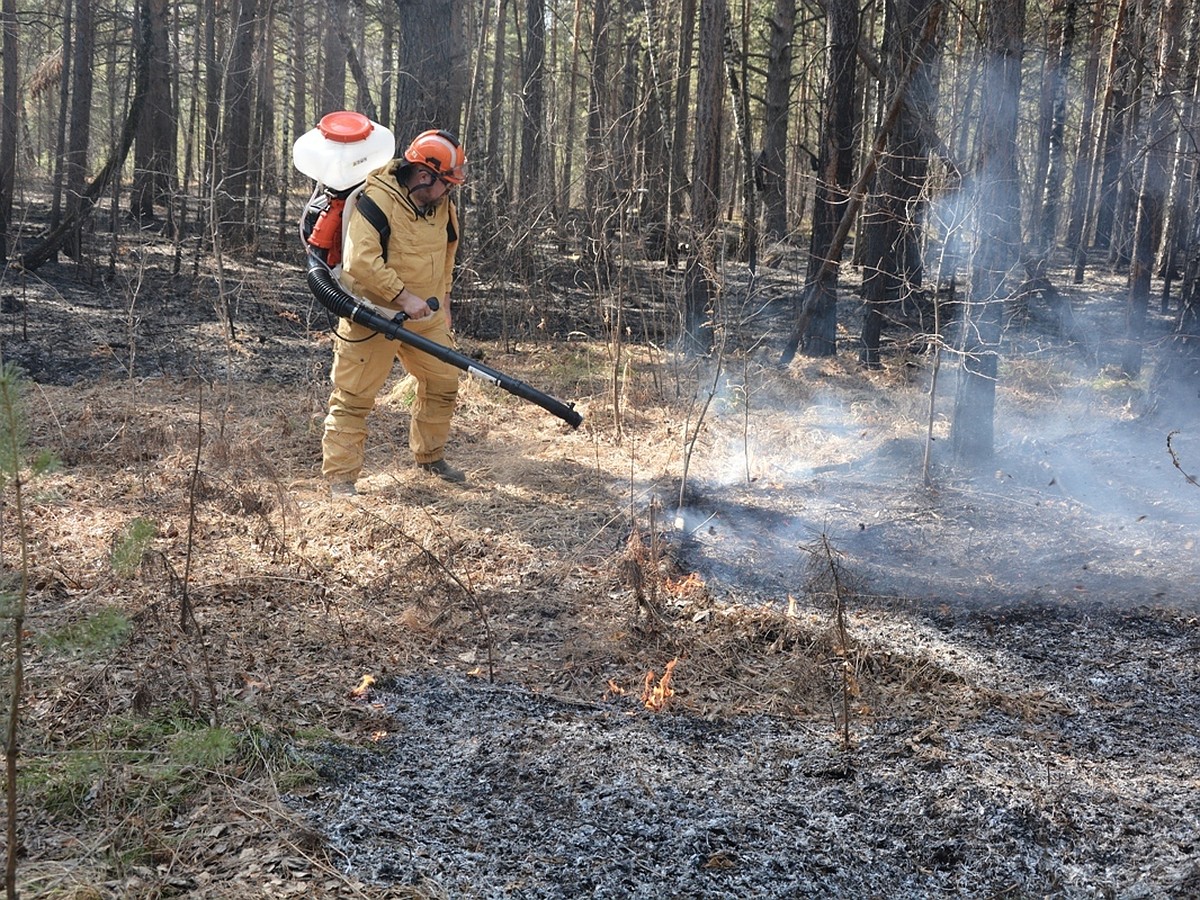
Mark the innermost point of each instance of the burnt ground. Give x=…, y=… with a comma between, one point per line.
x=1006, y=706
x=1022, y=697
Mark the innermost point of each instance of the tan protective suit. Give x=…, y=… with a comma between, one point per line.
x=420, y=257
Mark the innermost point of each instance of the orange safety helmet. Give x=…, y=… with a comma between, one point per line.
x=440, y=152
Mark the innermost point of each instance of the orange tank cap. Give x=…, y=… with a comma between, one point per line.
x=345, y=127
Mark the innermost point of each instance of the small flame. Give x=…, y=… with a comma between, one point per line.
x=655, y=696
x=690, y=585
x=614, y=689
x=363, y=686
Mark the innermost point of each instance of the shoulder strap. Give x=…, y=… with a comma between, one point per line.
x=372, y=213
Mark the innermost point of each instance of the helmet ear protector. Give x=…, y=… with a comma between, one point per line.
x=441, y=153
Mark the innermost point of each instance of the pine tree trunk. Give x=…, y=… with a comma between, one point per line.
x=677, y=190
x=388, y=75
x=348, y=55
x=235, y=201
x=1152, y=195
x=154, y=147
x=533, y=107
x=1112, y=132
x=1183, y=166
x=300, y=61
x=78, y=139
x=700, y=285
x=1133, y=77
x=568, y=167
x=332, y=94
x=836, y=166
x=64, y=105
x=772, y=170
x=997, y=231
x=491, y=190
x=1082, y=178
x=431, y=91
x=655, y=179
x=597, y=185
x=740, y=105
x=891, y=256
x=8, y=124
x=1056, y=128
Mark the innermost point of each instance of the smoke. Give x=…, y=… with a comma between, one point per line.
x=1082, y=504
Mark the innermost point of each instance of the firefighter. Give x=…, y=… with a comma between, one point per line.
x=400, y=255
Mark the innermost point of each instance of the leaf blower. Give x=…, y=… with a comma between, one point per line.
x=339, y=154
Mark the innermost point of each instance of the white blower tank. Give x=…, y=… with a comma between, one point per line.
x=343, y=149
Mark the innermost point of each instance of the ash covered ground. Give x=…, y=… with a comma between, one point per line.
x=1024, y=711
x=494, y=792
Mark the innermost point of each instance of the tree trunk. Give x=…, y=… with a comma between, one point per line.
x=700, y=279
x=234, y=204
x=1183, y=166
x=1188, y=328
x=997, y=231
x=656, y=145
x=212, y=105
x=1052, y=186
x=349, y=56
x=1152, y=195
x=154, y=147
x=1082, y=178
x=332, y=94
x=1126, y=165
x=772, y=170
x=68, y=229
x=836, y=166
x=64, y=106
x=892, y=265
x=1112, y=132
x=301, y=59
x=431, y=90
x=568, y=166
x=264, y=153
x=740, y=104
x=79, y=137
x=490, y=188
x=533, y=108
x=678, y=188
x=8, y=125
x=597, y=183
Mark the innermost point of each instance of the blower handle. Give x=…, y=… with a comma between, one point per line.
x=432, y=303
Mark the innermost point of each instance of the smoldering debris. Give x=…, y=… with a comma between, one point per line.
x=487, y=791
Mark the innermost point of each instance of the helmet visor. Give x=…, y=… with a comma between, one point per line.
x=454, y=176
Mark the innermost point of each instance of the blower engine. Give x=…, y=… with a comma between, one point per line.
x=338, y=155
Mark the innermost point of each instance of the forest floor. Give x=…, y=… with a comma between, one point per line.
x=836, y=670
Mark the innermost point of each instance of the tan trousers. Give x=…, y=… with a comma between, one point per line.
x=362, y=361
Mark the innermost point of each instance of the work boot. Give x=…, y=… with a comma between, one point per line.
x=443, y=470
x=342, y=490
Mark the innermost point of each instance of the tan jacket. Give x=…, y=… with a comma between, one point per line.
x=420, y=252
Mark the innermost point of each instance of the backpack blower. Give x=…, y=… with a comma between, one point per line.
x=339, y=154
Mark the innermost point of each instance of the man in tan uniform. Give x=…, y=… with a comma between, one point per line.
x=400, y=267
